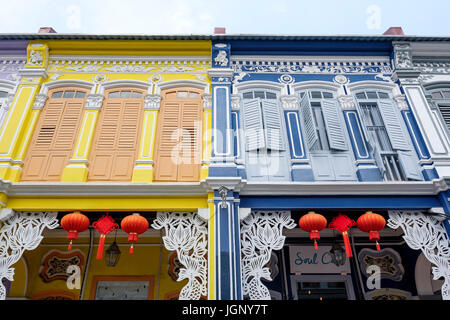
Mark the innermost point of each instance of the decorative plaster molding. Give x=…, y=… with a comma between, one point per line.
x=289, y=102
x=235, y=102
x=207, y=101
x=347, y=102
x=25, y=73
x=220, y=73
x=402, y=55
x=312, y=64
x=401, y=102
x=39, y=101
x=152, y=102
x=94, y=102
x=221, y=58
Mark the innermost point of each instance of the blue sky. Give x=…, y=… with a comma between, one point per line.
x=238, y=16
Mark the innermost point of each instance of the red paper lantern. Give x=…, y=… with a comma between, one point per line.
x=313, y=223
x=73, y=223
x=372, y=223
x=343, y=223
x=134, y=225
x=104, y=225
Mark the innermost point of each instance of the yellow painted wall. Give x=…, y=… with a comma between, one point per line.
x=145, y=261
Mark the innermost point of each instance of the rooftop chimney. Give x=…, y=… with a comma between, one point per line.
x=46, y=30
x=219, y=30
x=394, y=31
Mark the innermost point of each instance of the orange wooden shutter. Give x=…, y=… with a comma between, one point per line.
x=54, y=137
x=178, y=147
x=117, y=138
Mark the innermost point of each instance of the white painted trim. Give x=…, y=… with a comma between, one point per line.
x=257, y=84
x=369, y=84
x=315, y=84
x=291, y=136
x=124, y=83
x=360, y=59
x=66, y=83
x=182, y=83
x=7, y=85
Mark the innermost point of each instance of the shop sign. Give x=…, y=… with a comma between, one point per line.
x=305, y=259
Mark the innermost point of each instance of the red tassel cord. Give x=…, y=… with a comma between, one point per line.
x=101, y=245
x=70, y=246
x=131, y=249
x=348, y=248
x=315, y=244
x=378, y=246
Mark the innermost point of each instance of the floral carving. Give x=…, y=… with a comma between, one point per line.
x=261, y=233
x=426, y=233
x=221, y=58
x=186, y=234
x=36, y=58
x=20, y=232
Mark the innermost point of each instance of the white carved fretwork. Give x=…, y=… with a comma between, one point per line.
x=261, y=232
x=426, y=233
x=186, y=234
x=21, y=231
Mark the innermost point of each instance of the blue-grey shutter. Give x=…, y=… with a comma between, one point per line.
x=253, y=125
x=409, y=163
x=334, y=125
x=272, y=125
x=369, y=141
x=310, y=127
x=393, y=125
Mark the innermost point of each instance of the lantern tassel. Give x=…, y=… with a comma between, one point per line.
x=378, y=246
x=315, y=244
x=131, y=248
x=70, y=246
x=348, y=248
x=101, y=245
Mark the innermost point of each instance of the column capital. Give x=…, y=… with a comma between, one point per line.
x=39, y=101
x=347, y=102
x=289, y=102
x=207, y=101
x=152, y=102
x=94, y=101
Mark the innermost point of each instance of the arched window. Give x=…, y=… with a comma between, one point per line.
x=178, y=136
x=117, y=135
x=54, y=137
x=386, y=136
x=265, y=136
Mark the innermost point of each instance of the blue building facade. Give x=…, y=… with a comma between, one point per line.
x=321, y=124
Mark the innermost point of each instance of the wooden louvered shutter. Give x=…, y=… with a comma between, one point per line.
x=392, y=124
x=190, y=142
x=117, y=139
x=53, y=140
x=178, y=137
x=167, y=140
x=335, y=128
x=253, y=125
x=273, y=125
x=310, y=127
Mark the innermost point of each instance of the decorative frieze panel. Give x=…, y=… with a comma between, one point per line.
x=10, y=66
x=112, y=64
x=402, y=56
x=185, y=233
x=428, y=234
x=261, y=233
x=55, y=263
x=21, y=231
x=310, y=65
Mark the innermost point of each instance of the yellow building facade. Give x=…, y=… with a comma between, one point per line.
x=83, y=131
